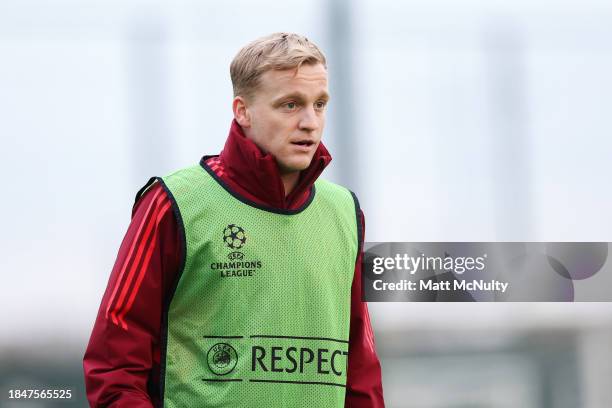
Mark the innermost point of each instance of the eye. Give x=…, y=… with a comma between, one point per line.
x=290, y=105
x=320, y=105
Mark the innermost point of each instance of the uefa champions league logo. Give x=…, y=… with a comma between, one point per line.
x=234, y=236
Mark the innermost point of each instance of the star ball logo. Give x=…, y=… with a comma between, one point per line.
x=222, y=358
x=234, y=236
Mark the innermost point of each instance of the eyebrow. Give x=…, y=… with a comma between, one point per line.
x=299, y=96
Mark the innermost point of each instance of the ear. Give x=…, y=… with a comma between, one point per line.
x=241, y=112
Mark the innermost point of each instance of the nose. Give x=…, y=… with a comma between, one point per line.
x=309, y=120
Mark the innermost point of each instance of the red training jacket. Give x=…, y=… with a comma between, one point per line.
x=122, y=360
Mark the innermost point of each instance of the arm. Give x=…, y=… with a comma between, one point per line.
x=121, y=363
x=364, y=382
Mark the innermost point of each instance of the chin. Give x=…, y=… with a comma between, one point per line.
x=295, y=166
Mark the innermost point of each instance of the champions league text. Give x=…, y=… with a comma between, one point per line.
x=231, y=269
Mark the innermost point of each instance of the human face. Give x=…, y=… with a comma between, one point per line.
x=286, y=115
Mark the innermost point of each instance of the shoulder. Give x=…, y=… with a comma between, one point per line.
x=188, y=180
x=193, y=171
x=336, y=192
x=159, y=190
x=150, y=192
x=152, y=202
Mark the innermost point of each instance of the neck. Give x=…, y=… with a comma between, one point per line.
x=290, y=180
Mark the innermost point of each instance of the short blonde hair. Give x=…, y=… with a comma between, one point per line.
x=275, y=51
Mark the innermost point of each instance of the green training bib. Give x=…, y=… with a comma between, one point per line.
x=261, y=311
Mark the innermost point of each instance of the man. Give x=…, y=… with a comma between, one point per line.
x=238, y=281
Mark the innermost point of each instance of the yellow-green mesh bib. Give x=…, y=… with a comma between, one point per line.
x=260, y=314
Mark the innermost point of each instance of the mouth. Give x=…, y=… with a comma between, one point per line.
x=304, y=143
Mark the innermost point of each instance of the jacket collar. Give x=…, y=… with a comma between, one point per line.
x=257, y=173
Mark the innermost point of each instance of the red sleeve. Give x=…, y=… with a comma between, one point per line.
x=121, y=363
x=364, y=380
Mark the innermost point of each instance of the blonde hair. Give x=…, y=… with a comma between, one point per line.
x=278, y=51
